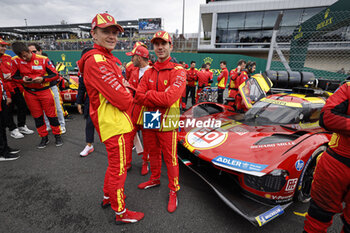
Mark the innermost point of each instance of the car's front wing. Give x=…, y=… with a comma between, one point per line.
x=230, y=192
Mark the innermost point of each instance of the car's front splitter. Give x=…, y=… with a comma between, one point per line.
x=230, y=192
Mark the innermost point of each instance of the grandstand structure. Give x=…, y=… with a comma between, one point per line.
x=246, y=26
x=77, y=36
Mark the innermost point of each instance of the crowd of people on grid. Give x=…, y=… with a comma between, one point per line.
x=114, y=109
x=116, y=106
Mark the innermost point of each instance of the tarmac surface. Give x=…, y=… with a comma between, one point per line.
x=55, y=190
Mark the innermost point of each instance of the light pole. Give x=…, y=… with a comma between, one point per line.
x=183, y=18
x=25, y=20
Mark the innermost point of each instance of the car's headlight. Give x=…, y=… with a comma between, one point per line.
x=272, y=182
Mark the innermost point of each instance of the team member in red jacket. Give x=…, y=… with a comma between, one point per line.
x=222, y=81
x=36, y=73
x=203, y=80
x=330, y=188
x=192, y=79
x=237, y=77
x=16, y=91
x=160, y=91
x=140, y=56
x=184, y=94
x=130, y=66
x=109, y=102
x=6, y=153
x=207, y=68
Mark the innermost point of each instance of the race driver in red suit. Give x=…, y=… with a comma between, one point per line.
x=330, y=188
x=160, y=91
x=35, y=73
x=109, y=102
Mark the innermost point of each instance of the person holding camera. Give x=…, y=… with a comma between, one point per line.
x=35, y=73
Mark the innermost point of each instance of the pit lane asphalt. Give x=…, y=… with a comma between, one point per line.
x=55, y=190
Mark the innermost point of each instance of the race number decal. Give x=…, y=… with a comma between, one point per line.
x=206, y=138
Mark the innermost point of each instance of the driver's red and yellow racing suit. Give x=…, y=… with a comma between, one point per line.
x=38, y=96
x=330, y=188
x=160, y=90
x=109, y=102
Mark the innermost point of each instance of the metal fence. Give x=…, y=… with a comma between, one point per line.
x=319, y=46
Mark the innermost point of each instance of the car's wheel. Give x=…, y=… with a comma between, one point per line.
x=306, y=178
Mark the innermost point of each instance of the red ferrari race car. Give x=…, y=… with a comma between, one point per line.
x=261, y=161
x=69, y=95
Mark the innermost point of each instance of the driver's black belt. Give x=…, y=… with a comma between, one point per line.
x=338, y=157
x=236, y=89
x=36, y=90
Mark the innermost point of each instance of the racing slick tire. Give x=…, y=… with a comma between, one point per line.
x=303, y=193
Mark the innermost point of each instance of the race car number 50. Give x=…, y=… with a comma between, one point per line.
x=206, y=138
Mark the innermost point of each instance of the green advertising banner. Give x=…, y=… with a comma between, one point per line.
x=69, y=58
x=328, y=20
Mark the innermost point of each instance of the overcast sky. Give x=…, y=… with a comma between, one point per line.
x=43, y=12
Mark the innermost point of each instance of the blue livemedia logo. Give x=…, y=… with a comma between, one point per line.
x=151, y=120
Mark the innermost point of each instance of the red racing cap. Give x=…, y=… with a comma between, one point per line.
x=139, y=50
x=162, y=35
x=3, y=42
x=105, y=20
x=139, y=43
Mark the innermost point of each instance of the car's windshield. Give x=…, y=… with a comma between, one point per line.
x=264, y=113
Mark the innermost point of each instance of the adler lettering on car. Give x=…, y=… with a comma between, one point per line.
x=238, y=164
x=269, y=215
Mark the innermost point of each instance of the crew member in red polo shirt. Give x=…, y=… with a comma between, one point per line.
x=203, y=80
x=237, y=77
x=36, y=73
x=222, y=81
x=192, y=79
x=207, y=68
